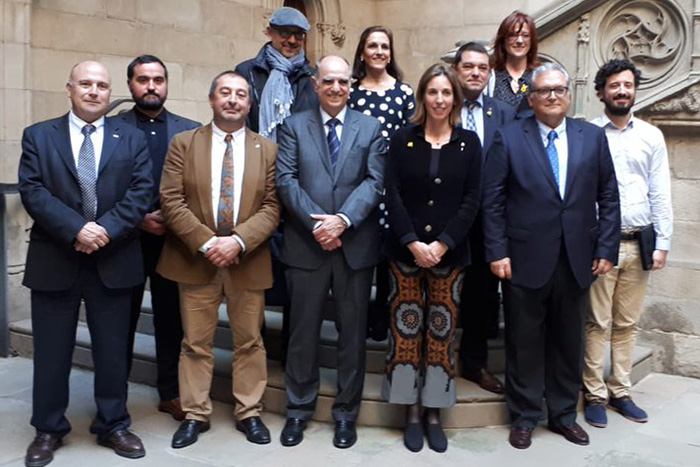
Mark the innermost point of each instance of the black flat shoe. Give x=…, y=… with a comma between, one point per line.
x=345, y=434
x=254, y=429
x=293, y=432
x=187, y=433
x=413, y=437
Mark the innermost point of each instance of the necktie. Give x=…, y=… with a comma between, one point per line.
x=224, y=215
x=87, y=174
x=333, y=141
x=552, y=155
x=470, y=123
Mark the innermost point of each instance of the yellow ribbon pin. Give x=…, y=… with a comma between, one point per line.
x=410, y=144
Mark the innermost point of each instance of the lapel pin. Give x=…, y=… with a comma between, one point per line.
x=489, y=112
x=257, y=145
x=114, y=135
x=410, y=144
x=462, y=146
x=523, y=88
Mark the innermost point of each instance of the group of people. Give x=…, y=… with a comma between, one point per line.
x=477, y=178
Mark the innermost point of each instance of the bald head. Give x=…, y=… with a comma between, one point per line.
x=89, y=88
x=332, y=83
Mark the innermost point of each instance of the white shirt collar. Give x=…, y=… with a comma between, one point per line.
x=608, y=123
x=78, y=123
x=545, y=129
x=341, y=115
x=221, y=134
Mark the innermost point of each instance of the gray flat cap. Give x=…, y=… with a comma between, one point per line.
x=287, y=16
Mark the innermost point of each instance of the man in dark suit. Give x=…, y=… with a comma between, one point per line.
x=147, y=78
x=330, y=170
x=480, y=303
x=86, y=182
x=545, y=177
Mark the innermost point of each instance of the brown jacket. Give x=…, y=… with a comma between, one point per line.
x=186, y=203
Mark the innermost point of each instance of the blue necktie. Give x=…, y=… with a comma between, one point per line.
x=470, y=123
x=552, y=155
x=87, y=174
x=333, y=141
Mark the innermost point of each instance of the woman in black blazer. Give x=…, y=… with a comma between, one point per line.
x=433, y=193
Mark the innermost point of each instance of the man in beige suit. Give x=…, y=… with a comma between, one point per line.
x=219, y=202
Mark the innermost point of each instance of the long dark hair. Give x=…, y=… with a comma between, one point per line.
x=358, y=66
x=514, y=23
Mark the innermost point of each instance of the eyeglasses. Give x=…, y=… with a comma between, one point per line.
x=286, y=33
x=544, y=93
x=515, y=35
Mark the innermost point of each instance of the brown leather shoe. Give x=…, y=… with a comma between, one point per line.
x=520, y=437
x=172, y=407
x=124, y=443
x=573, y=433
x=40, y=452
x=485, y=380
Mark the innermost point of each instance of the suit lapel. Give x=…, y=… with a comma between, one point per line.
x=319, y=136
x=251, y=175
x=61, y=139
x=110, y=141
x=350, y=129
x=575, y=146
x=490, y=117
x=534, y=141
x=200, y=153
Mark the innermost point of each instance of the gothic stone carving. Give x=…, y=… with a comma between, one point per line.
x=337, y=32
x=688, y=101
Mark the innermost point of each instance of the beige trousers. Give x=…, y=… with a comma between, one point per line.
x=199, y=305
x=616, y=303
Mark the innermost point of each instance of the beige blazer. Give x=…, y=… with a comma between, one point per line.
x=185, y=192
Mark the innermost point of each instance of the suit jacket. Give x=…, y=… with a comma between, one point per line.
x=526, y=219
x=426, y=208
x=307, y=185
x=175, y=124
x=48, y=185
x=185, y=192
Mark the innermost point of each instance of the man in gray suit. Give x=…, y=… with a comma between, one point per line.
x=330, y=170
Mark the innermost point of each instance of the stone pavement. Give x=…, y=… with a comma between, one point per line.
x=670, y=439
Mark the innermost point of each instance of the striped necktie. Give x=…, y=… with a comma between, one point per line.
x=224, y=215
x=87, y=174
x=333, y=141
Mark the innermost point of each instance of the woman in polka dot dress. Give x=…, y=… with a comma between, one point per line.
x=377, y=91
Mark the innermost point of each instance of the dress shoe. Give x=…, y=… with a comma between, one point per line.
x=187, y=433
x=124, y=443
x=345, y=434
x=413, y=437
x=485, y=380
x=520, y=437
x=594, y=413
x=573, y=433
x=628, y=409
x=293, y=432
x=172, y=407
x=437, y=441
x=40, y=452
x=254, y=429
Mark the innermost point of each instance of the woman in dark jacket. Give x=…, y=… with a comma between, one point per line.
x=433, y=193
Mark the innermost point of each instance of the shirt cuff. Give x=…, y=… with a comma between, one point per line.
x=346, y=219
x=240, y=242
x=207, y=245
x=662, y=244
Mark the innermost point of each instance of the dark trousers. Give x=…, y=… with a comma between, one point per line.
x=54, y=322
x=544, y=347
x=166, y=318
x=308, y=291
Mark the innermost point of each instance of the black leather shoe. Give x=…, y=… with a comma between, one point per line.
x=520, y=437
x=124, y=443
x=187, y=433
x=254, y=429
x=40, y=452
x=345, y=434
x=573, y=433
x=293, y=432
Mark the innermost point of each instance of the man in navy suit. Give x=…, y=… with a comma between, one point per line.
x=86, y=182
x=552, y=224
x=480, y=305
x=147, y=78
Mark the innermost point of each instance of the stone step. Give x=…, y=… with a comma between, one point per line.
x=376, y=351
x=475, y=407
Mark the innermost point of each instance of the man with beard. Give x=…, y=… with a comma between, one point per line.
x=147, y=78
x=641, y=166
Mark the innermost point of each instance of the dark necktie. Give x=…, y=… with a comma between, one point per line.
x=553, y=155
x=333, y=141
x=224, y=216
x=87, y=174
x=470, y=123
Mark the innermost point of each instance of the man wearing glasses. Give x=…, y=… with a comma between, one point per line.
x=280, y=74
x=544, y=177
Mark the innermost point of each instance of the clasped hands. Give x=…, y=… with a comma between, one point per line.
x=427, y=255
x=328, y=233
x=224, y=252
x=91, y=238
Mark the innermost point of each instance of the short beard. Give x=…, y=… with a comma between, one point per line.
x=150, y=104
x=617, y=110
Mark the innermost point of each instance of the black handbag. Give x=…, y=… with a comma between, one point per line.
x=647, y=242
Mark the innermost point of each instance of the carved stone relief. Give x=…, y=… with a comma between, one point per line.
x=651, y=34
x=687, y=101
x=336, y=31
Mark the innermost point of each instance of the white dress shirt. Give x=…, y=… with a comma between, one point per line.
x=218, y=149
x=338, y=131
x=75, y=128
x=561, y=142
x=478, y=113
x=643, y=177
